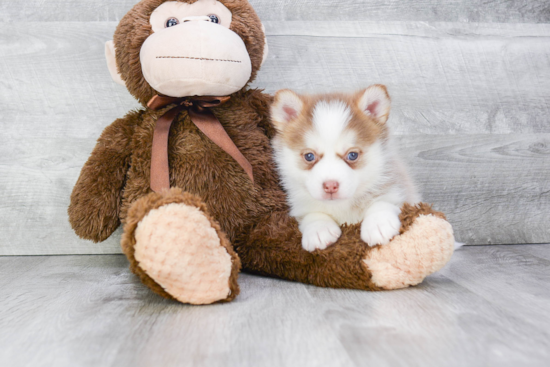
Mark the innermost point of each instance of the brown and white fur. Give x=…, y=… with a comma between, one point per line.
x=337, y=163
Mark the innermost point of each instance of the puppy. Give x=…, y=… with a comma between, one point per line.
x=337, y=165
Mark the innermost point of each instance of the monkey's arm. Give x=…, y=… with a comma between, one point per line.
x=95, y=200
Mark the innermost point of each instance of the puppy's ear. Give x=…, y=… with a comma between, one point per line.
x=375, y=102
x=286, y=108
x=111, y=62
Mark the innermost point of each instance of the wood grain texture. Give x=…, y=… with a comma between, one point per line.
x=494, y=189
x=461, y=82
x=444, y=78
x=538, y=251
x=521, y=11
x=488, y=270
x=488, y=307
x=57, y=96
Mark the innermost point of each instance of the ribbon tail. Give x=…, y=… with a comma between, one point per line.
x=207, y=122
x=160, y=172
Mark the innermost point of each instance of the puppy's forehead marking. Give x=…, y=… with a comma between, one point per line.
x=330, y=118
x=331, y=145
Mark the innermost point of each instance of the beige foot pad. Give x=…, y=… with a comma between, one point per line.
x=422, y=250
x=178, y=248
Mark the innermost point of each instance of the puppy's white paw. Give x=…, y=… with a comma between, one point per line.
x=379, y=228
x=320, y=235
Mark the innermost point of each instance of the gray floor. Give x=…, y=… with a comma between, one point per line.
x=489, y=307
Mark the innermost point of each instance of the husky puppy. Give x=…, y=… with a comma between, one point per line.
x=337, y=165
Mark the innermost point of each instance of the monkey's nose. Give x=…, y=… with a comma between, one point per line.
x=331, y=187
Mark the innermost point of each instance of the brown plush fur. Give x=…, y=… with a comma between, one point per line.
x=134, y=28
x=114, y=183
x=273, y=249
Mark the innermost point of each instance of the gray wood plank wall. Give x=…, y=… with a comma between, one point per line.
x=470, y=83
x=501, y=11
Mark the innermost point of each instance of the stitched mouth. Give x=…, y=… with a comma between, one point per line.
x=198, y=58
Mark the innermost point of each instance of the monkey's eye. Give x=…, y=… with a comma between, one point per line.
x=172, y=22
x=352, y=156
x=214, y=18
x=309, y=157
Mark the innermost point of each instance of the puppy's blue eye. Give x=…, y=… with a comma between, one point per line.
x=310, y=157
x=353, y=156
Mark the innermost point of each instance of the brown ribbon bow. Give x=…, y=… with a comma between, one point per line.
x=198, y=109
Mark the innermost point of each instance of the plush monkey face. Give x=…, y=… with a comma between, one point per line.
x=187, y=48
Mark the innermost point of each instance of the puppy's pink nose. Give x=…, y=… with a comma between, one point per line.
x=331, y=187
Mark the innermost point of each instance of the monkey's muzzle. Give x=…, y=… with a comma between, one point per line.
x=195, y=59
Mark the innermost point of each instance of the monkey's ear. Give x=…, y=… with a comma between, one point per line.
x=265, y=46
x=375, y=102
x=286, y=108
x=110, y=55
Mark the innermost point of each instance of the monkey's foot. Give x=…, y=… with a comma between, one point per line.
x=179, y=251
x=424, y=248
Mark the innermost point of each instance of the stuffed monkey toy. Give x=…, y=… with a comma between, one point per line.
x=191, y=176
